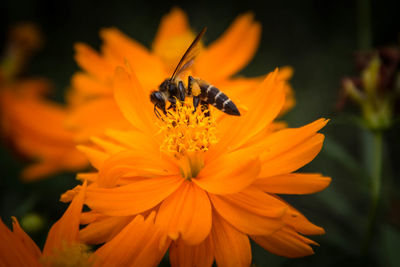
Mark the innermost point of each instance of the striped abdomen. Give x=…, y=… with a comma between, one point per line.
x=212, y=95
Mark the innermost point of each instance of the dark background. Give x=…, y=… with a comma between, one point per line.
x=317, y=38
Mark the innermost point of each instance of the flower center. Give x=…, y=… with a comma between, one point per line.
x=187, y=135
x=68, y=255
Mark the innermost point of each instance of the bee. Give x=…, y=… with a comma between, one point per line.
x=203, y=93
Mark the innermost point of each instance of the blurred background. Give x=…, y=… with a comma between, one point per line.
x=317, y=38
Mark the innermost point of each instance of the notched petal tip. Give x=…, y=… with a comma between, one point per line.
x=247, y=16
x=14, y=220
x=78, y=47
x=286, y=72
x=175, y=10
x=106, y=31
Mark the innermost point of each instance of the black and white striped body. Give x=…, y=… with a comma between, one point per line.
x=213, y=96
x=201, y=91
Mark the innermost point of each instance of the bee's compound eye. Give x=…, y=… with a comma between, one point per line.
x=153, y=97
x=157, y=98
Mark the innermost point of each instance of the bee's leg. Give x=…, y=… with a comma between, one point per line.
x=158, y=115
x=172, y=100
x=205, y=108
x=190, y=83
x=181, y=91
x=196, y=101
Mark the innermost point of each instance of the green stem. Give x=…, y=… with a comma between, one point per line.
x=364, y=24
x=376, y=180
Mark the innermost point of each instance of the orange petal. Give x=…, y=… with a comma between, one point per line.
x=231, y=247
x=138, y=244
x=103, y=230
x=94, y=117
x=286, y=72
x=267, y=102
x=134, y=198
x=109, y=147
x=243, y=219
x=228, y=174
x=89, y=176
x=181, y=254
x=32, y=248
x=133, y=102
x=47, y=168
x=173, y=38
x=70, y=194
x=299, y=222
x=89, y=60
x=232, y=51
x=31, y=113
x=293, y=183
x=240, y=89
x=257, y=202
x=95, y=156
x=286, y=242
x=91, y=216
x=175, y=23
x=120, y=48
x=53, y=146
x=285, y=140
x=66, y=229
x=16, y=248
x=134, y=163
x=270, y=99
x=293, y=159
x=134, y=140
x=88, y=86
x=186, y=213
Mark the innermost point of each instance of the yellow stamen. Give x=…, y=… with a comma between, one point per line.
x=187, y=136
x=68, y=255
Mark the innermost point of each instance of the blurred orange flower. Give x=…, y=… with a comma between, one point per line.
x=212, y=181
x=32, y=124
x=62, y=247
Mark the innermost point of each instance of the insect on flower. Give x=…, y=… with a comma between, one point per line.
x=173, y=89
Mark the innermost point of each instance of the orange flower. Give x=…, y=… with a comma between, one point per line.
x=33, y=124
x=212, y=181
x=61, y=247
x=93, y=108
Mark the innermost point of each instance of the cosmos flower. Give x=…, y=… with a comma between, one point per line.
x=212, y=182
x=30, y=123
x=34, y=127
x=92, y=106
x=62, y=247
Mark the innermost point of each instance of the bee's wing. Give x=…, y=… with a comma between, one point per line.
x=189, y=56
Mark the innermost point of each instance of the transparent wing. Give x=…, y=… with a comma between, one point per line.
x=189, y=56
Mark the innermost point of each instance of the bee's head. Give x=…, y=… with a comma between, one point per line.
x=158, y=100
